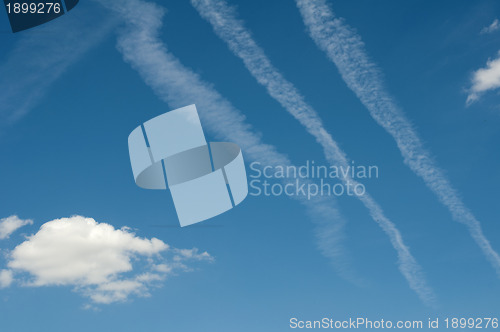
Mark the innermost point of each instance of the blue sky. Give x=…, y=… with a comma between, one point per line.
x=69, y=101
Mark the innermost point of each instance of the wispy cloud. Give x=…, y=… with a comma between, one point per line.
x=345, y=48
x=42, y=55
x=229, y=28
x=484, y=79
x=179, y=86
x=11, y=224
x=6, y=278
x=494, y=26
x=95, y=259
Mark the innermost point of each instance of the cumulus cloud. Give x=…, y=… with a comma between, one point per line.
x=194, y=254
x=100, y=262
x=5, y=278
x=494, y=26
x=11, y=224
x=485, y=79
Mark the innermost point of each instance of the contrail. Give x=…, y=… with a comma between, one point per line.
x=175, y=84
x=42, y=55
x=346, y=49
x=223, y=19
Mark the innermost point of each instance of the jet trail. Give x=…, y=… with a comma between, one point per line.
x=178, y=86
x=230, y=29
x=346, y=50
x=40, y=56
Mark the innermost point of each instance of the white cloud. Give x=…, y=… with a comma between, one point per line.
x=117, y=291
x=162, y=268
x=484, y=79
x=94, y=258
x=494, y=26
x=6, y=278
x=194, y=254
x=79, y=249
x=11, y=224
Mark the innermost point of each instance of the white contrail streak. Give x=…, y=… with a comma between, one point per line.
x=175, y=84
x=345, y=48
x=42, y=55
x=230, y=29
